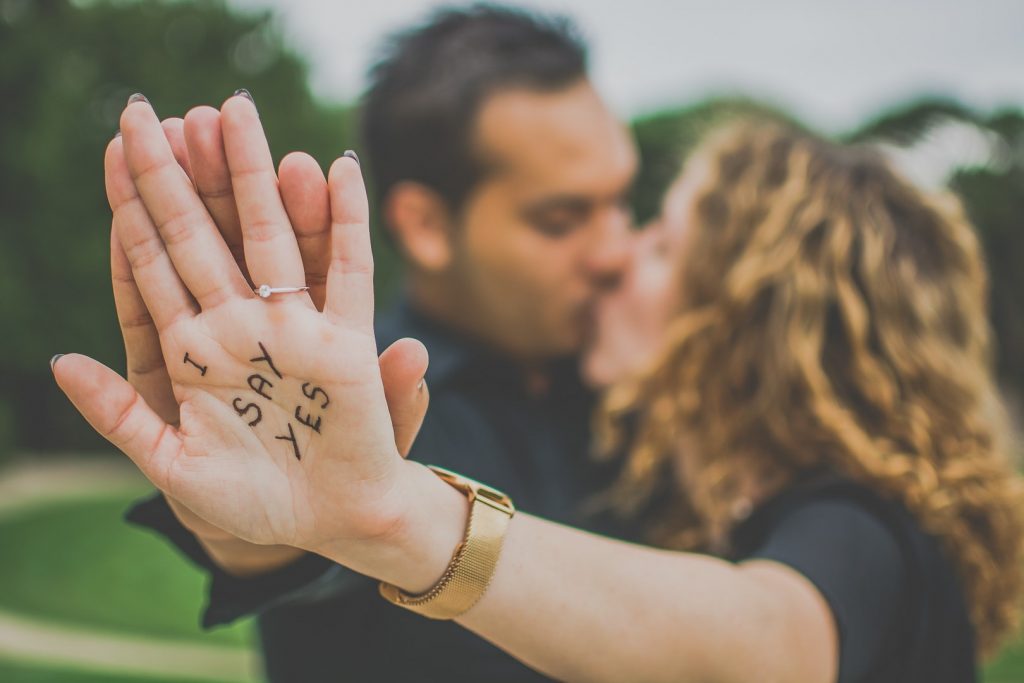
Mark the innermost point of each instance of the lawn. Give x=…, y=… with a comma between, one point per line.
x=78, y=563
x=1008, y=668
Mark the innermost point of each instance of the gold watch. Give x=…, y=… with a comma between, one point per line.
x=472, y=565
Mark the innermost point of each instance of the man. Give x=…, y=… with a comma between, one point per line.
x=502, y=179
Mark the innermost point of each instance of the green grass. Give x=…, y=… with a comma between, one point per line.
x=1008, y=668
x=79, y=563
x=19, y=672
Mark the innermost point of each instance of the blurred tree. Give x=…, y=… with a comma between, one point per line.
x=66, y=70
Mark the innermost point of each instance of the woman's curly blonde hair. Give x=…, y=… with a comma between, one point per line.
x=833, y=315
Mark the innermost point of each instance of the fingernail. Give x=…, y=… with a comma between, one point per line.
x=423, y=383
x=137, y=97
x=352, y=155
x=117, y=134
x=53, y=361
x=246, y=94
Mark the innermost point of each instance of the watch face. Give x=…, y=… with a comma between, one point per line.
x=496, y=499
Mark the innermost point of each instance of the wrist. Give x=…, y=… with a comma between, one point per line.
x=429, y=526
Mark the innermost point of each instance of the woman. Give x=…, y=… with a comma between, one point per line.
x=825, y=340
x=816, y=400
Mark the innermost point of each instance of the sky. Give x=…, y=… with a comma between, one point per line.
x=831, y=62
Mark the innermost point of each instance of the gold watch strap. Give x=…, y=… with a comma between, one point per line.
x=473, y=563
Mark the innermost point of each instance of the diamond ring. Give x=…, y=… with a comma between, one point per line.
x=264, y=291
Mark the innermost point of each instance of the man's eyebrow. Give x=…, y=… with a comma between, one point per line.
x=559, y=202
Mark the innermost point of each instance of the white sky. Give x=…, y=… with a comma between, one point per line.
x=832, y=62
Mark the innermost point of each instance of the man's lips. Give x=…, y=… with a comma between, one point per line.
x=584, y=314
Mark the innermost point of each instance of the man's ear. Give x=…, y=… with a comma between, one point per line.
x=421, y=225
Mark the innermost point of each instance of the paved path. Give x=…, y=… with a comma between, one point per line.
x=28, y=485
x=26, y=639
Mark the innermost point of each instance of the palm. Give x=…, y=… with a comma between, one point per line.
x=264, y=388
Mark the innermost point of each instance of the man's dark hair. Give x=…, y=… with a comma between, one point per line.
x=428, y=85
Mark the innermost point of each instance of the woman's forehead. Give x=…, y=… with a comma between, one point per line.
x=681, y=194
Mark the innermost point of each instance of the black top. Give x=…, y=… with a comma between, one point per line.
x=899, y=610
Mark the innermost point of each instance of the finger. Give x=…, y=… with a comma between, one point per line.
x=153, y=274
x=174, y=131
x=196, y=248
x=271, y=251
x=212, y=178
x=116, y=410
x=402, y=366
x=350, y=274
x=305, y=198
x=147, y=371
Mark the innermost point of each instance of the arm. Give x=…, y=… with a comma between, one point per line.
x=578, y=606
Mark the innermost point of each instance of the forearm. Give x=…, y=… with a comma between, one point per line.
x=578, y=606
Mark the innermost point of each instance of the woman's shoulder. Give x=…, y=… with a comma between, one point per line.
x=890, y=586
x=834, y=525
x=826, y=499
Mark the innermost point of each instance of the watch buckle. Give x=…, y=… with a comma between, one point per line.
x=475, y=490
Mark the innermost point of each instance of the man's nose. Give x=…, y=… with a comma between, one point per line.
x=608, y=257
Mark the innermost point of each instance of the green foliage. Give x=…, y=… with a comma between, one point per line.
x=906, y=123
x=66, y=70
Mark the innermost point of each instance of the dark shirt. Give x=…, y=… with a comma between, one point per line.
x=899, y=610
x=321, y=622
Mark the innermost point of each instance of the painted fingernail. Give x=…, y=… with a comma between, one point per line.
x=53, y=361
x=137, y=97
x=244, y=93
x=352, y=155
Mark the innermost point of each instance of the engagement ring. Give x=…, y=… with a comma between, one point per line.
x=266, y=290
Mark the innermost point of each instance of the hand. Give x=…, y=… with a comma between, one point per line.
x=284, y=434
x=197, y=144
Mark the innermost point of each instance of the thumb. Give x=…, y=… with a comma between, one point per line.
x=119, y=413
x=402, y=366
